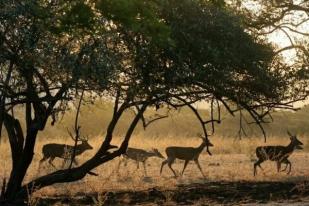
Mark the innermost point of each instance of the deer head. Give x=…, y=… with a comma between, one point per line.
x=206, y=141
x=157, y=153
x=85, y=145
x=295, y=141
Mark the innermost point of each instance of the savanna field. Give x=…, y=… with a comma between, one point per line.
x=231, y=161
x=229, y=169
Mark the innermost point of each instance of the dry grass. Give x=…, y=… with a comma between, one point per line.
x=232, y=160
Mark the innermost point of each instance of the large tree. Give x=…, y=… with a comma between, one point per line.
x=283, y=21
x=138, y=54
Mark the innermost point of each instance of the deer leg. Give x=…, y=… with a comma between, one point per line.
x=290, y=168
x=163, y=163
x=64, y=162
x=290, y=165
x=119, y=164
x=125, y=161
x=75, y=161
x=278, y=166
x=50, y=161
x=199, y=166
x=287, y=163
x=258, y=163
x=137, y=163
x=286, y=166
x=144, y=164
x=42, y=160
x=170, y=162
x=184, y=166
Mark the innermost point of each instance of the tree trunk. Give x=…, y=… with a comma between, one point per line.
x=19, y=171
x=74, y=174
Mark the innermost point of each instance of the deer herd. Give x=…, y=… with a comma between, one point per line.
x=278, y=153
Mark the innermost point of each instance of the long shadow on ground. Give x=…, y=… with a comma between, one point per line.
x=203, y=193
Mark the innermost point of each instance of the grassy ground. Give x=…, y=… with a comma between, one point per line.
x=232, y=161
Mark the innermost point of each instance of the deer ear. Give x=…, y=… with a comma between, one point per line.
x=289, y=133
x=200, y=136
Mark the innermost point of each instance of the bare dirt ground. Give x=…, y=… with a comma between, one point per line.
x=229, y=179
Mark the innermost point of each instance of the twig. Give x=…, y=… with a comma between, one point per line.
x=76, y=129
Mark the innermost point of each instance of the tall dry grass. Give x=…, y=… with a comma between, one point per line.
x=95, y=118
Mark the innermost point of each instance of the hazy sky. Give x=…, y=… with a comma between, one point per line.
x=282, y=40
x=279, y=37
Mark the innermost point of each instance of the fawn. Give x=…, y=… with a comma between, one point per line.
x=140, y=155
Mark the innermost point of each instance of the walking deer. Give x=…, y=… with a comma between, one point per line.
x=278, y=153
x=53, y=150
x=140, y=155
x=63, y=151
x=185, y=153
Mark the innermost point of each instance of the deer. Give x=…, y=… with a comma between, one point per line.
x=63, y=151
x=278, y=153
x=187, y=154
x=140, y=155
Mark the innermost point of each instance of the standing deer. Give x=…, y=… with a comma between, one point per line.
x=140, y=155
x=278, y=153
x=185, y=153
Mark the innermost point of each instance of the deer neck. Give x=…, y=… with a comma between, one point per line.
x=79, y=148
x=200, y=148
x=151, y=154
x=290, y=147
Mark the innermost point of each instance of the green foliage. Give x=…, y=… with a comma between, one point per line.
x=162, y=47
x=140, y=16
x=218, y=3
x=210, y=51
x=78, y=15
